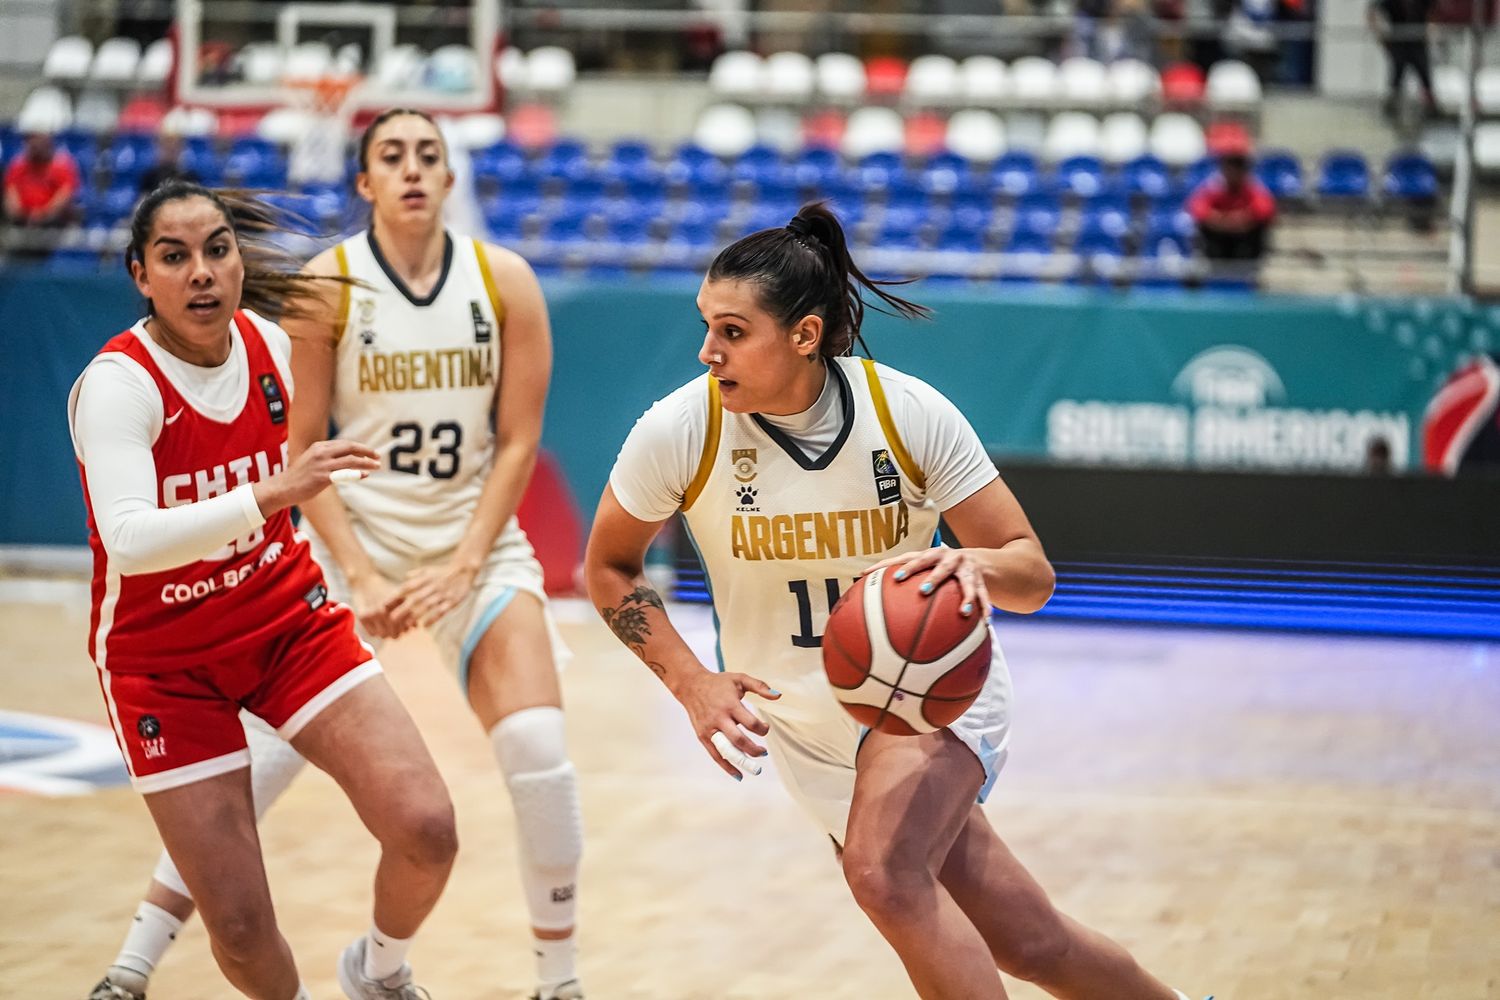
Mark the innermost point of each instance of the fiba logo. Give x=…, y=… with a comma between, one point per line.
x=1233, y=377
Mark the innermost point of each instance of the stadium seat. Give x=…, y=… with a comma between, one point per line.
x=1182, y=85
x=81, y=145
x=451, y=69
x=1133, y=82
x=1038, y=213
x=1028, y=256
x=510, y=68
x=1487, y=148
x=116, y=61
x=1033, y=81
x=1177, y=139
x=156, y=63
x=1015, y=174
x=1147, y=177
x=550, y=70
x=1450, y=88
x=945, y=173
x=286, y=126
x=1025, y=130
x=789, y=76
x=68, y=60
x=926, y=133
x=932, y=81
x=977, y=136
x=1071, y=133
x=1281, y=173
x=189, y=122
x=872, y=130
x=1109, y=213
x=1101, y=254
x=1410, y=177
x=841, y=77
x=1079, y=177
x=737, y=74
x=1083, y=83
x=46, y=109
x=1487, y=90
x=725, y=130
x=97, y=112
x=1232, y=86
x=1343, y=174
x=779, y=127
x=983, y=81
x=1122, y=137
x=885, y=78
x=824, y=129
x=259, y=63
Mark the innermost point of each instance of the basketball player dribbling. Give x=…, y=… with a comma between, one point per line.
x=206, y=603
x=786, y=424
x=438, y=359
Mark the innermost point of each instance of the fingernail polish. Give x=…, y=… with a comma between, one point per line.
x=968, y=609
x=775, y=693
x=901, y=574
x=926, y=588
x=739, y=777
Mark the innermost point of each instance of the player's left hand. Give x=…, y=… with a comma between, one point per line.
x=429, y=593
x=940, y=563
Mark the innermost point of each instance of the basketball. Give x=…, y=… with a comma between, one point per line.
x=903, y=662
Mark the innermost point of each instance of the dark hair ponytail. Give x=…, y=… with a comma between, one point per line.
x=805, y=269
x=273, y=284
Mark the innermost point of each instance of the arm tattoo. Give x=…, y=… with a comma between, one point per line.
x=628, y=621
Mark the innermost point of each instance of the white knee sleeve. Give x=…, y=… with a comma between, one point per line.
x=544, y=792
x=273, y=765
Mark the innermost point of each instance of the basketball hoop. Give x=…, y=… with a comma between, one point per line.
x=317, y=156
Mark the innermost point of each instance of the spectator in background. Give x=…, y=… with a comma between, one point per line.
x=39, y=187
x=1401, y=26
x=1233, y=209
x=1378, y=457
x=168, y=166
x=1111, y=30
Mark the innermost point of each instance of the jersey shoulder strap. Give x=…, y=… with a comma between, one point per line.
x=710, y=446
x=341, y=256
x=888, y=425
x=493, y=290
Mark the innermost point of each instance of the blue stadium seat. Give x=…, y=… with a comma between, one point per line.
x=945, y=173
x=697, y=233
x=1109, y=213
x=200, y=158
x=111, y=206
x=1343, y=174
x=82, y=147
x=1015, y=174
x=1171, y=218
x=1196, y=173
x=815, y=168
x=129, y=156
x=1038, y=214
x=1164, y=239
x=877, y=172
x=255, y=163
x=1027, y=256
x=1410, y=177
x=1281, y=173
x=567, y=160
x=1101, y=253
x=961, y=241
x=970, y=213
x=1079, y=176
x=755, y=164
x=504, y=162
x=770, y=215
x=1145, y=176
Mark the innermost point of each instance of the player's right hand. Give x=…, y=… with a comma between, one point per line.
x=307, y=475
x=715, y=706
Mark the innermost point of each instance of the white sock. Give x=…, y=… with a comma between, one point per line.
x=302, y=993
x=384, y=955
x=556, y=960
x=152, y=930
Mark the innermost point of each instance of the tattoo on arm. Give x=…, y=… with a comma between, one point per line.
x=628, y=622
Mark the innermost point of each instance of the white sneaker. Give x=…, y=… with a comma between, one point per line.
x=109, y=989
x=397, y=986
x=570, y=990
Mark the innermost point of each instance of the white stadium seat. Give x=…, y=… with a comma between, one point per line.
x=1025, y=130
x=1177, y=139
x=932, y=81
x=1083, y=82
x=116, y=61
x=779, y=128
x=1232, y=84
x=510, y=67
x=47, y=110
x=1487, y=148
x=841, y=77
x=1033, y=81
x=737, y=74
x=69, y=59
x=789, y=76
x=984, y=80
x=451, y=69
x=874, y=130
x=550, y=69
x=476, y=131
x=1071, y=133
x=1122, y=137
x=1450, y=88
x=260, y=63
x=725, y=129
x=1133, y=82
x=156, y=63
x=1487, y=90
x=97, y=112
x=189, y=121
x=978, y=136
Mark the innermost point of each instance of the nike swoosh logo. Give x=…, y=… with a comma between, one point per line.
x=173, y=418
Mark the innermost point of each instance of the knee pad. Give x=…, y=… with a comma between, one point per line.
x=544, y=793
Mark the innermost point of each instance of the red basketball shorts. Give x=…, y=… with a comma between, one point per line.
x=183, y=726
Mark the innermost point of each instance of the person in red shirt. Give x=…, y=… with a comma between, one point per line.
x=1233, y=210
x=40, y=183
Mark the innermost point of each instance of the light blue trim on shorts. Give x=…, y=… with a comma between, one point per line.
x=499, y=604
x=989, y=759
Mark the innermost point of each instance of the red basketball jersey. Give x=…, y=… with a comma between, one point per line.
x=236, y=597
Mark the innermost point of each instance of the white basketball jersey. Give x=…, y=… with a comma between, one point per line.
x=782, y=535
x=416, y=381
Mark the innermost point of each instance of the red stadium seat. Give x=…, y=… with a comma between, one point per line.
x=532, y=126
x=885, y=77
x=1182, y=84
x=142, y=114
x=926, y=134
x=1228, y=138
x=823, y=130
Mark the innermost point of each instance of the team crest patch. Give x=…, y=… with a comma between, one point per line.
x=153, y=744
x=887, y=479
x=743, y=460
x=483, y=328
x=275, y=404
x=365, y=321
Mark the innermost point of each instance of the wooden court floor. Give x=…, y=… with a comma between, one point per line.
x=1263, y=817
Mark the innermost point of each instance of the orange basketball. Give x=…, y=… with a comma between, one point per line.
x=903, y=662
